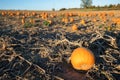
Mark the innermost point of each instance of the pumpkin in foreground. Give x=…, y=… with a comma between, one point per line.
x=82, y=59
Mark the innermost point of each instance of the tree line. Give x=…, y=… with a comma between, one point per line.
x=87, y=4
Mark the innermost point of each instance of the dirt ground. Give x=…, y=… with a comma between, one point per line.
x=41, y=52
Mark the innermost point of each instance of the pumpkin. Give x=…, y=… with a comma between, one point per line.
x=23, y=21
x=94, y=20
x=50, y=22
x=17, y=13
x=71, y=19
x=32, y=21
x=33, y=13
x=65, y=20
x=74, y=27
x=3, y=13
x=82, y=22
x=82, y=59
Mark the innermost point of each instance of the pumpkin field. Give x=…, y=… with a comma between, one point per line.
x=37, y=45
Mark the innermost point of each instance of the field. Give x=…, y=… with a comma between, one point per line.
x=36, y=45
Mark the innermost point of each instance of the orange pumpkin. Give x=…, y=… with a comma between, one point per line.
x=74, y=27
x=3, y=13
x=71, y=19
x=32, y=21
x=65, y=20
x=82, y=22
x=33, y=13
x=82, y=59
x=94, y=20
x=50, y=21
x=23, y=21
x=17, y=13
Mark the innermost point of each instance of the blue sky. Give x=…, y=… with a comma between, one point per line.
x=48, y=4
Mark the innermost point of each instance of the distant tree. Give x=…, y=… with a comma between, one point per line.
x=92, y=7
x=53, y=9
x=105, y=6
x=118, y=6
x=110, y=6
x=86, y=3
x=62, y=9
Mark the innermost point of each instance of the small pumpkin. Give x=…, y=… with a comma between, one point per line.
x=3, y=13
x=74, y=27
x=71, y=19
x=94, y=20
x=82, y=59
x=32, y=21
x=50, y=22
x=23, y=21
x=82, y=22
x=66, y=20
x=18, y=13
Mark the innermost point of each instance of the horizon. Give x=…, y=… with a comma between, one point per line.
x=49, y=4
